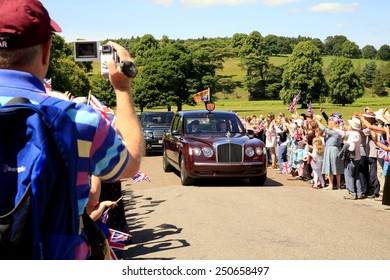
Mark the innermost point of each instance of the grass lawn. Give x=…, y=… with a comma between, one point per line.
x=238, y=101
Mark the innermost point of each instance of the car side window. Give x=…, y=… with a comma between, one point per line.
x=175, y=123
x=180, y=125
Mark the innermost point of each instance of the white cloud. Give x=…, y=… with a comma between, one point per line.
x=334, y=7
x=342, y=26
x=166, y=3
x=279, y=2
x=206, y=3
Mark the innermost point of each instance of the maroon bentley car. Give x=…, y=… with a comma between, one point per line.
x=211, y=144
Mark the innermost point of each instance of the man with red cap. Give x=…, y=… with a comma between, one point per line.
x=25, y=40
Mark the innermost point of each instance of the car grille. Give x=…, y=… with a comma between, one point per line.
x=229, y=152
x=158, y=134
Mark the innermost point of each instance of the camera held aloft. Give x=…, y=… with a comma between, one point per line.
x=94, y=51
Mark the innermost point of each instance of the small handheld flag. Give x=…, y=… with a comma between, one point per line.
x=291, y=106
x=106, y=112
x=47, y=83
x=141, y=176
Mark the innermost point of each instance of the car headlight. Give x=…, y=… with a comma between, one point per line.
x=148, y=134
x=207, y=152
x=259, y=151
x=195, y=151
x=249, y=151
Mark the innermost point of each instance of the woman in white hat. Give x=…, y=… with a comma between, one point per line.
x=351, y=164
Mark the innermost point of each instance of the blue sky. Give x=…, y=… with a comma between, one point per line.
x=362, y=21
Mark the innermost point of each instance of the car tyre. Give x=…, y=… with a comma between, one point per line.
x=185, y=179
x=258, y=181
x=167, y=167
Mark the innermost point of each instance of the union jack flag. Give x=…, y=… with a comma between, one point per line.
x=96, y=104
x=297, y=134
x=47, y=83
x=141, y=176
x=286, y=168
x=105, y=217
x=291, y=107
x=117, y=242
x=309, y=110
x=300, y=169
x=384, y=155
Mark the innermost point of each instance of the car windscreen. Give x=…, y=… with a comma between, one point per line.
x=160, y=120
x=213, y=123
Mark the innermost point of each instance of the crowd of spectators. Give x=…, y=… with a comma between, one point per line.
x=329, y=152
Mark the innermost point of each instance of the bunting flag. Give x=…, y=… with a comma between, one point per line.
x=96, y=104
x=291, y=106
x=47, y=83
x=286, y=168
x=141, y=176
x=202, y=96
x=309, y=109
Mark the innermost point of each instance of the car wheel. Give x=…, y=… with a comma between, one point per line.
x=167, y=167
x=185, y=179
x=258, y=181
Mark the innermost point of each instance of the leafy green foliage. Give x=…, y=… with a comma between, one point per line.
x=384, y=53
x=344, y=82
x=303, y=74
x=242, y=67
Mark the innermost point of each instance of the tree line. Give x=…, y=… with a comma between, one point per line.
x=172, y=71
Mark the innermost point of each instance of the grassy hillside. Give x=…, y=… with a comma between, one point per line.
x=238, y=100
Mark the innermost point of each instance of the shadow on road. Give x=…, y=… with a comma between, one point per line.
x=147, y=241
x=231, y=182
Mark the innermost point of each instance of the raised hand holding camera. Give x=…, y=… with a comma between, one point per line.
x=92, y=51
x=106, y=53
x=126, y=66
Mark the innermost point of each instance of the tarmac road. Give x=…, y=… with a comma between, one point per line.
x=231, y=220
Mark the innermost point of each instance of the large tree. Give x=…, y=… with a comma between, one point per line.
x=333, y=44
x=350, y=50
x=369, y=52
x=384, y=53
x=171, y=75
x=344, y=82
x=303, y=74
x=369, y=74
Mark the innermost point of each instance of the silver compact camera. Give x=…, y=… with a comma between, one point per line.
x=106, y=52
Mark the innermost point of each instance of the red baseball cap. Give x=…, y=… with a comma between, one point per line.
x=24, y=23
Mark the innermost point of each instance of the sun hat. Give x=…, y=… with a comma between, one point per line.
x=369, y=114
x=24, y=23
x=299, y=122
x=379, y=116
x=355, y=123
